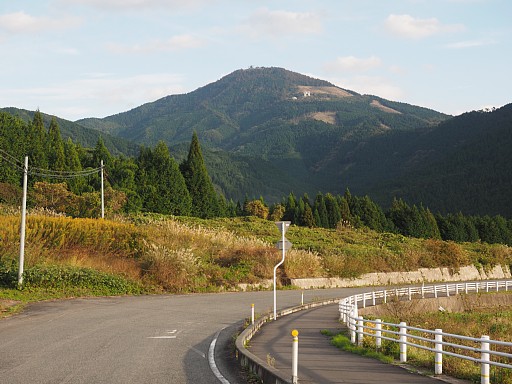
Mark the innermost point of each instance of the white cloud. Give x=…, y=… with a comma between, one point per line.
x=371, y=85
x=266, y=23
x=138, y=4
x=352, y=63
x=21, y=22
x=414, y=28
x=95, y=94
x=174, y=43
x=469, y=44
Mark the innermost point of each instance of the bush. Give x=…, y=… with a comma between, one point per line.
x=61, y=277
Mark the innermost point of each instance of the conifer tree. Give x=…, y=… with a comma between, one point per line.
x=56, y=156
x=12, y=132
x=73, y=164
x=307, y=217
x=161, y=184
x=322, y=220
x=333, y=210
x=36, y=150
x=199, y=184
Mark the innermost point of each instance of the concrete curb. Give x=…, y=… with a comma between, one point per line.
x=262, y=369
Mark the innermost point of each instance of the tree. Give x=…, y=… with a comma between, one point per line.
x=307, y=218
x=56, y=156
x=333, y=210
x=36, y=149
x=12, y=138
x=320, y=211
x=160, y=182
x=199, y=184
x=256, y=208
x=73, y=164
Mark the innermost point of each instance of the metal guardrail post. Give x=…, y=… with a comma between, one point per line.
x=438, y=367
x=360, y=330
x=378, y=334
x=484, y=357
x=403, y=341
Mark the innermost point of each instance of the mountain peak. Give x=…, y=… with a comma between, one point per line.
x=278, y=82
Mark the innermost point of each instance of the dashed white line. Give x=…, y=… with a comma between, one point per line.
x=211, y=359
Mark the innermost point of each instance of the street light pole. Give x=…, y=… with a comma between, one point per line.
x=283, y=244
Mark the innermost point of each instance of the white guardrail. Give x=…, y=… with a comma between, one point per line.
x=478, y=350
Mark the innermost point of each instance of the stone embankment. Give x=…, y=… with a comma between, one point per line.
x=422, y=275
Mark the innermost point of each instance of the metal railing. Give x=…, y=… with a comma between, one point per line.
x=481, y=350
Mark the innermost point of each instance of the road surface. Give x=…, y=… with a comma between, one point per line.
x=142, y=339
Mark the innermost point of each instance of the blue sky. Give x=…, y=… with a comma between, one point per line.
x=94, y=58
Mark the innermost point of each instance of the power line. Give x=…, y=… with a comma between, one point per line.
x=55, y=174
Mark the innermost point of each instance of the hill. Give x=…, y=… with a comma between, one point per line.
x=275, y=128
x=463, y=164
x=84, y=136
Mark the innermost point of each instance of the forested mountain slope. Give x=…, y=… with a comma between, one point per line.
x=463, y=164
x=289, y=132
x=268, y=132
x=86, y=137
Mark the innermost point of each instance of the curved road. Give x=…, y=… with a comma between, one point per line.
x=143, y=339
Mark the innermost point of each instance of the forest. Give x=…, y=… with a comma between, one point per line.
x=63, y=177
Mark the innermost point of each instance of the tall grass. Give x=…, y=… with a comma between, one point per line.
x=181, y=254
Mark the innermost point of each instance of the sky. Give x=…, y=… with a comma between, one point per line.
x=94, y=58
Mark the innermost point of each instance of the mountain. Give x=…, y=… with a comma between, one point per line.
x=276, y=129
x=269, y=131
x=463, y=164
x=86, y=137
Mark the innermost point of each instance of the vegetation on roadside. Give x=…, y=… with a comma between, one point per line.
x=158, y=253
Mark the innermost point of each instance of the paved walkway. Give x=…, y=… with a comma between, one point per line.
x=319, y=361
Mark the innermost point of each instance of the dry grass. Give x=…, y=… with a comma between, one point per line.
x=190, y=254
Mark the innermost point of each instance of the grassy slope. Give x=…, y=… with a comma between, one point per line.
x=80, y=257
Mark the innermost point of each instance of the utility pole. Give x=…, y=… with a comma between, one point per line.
x=23, y=224
x=102, y=193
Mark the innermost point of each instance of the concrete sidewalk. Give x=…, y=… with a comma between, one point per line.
x=319, y=361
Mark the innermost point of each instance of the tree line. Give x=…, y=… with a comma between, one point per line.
x=153, y=181
x=347, y=210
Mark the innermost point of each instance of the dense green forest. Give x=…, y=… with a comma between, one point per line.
x=260, y=132
x=64, y=177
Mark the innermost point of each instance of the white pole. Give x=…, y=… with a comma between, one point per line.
x=295, y=356
x=102, y=194
x=302, y=298
x=23, y=224
x=252, y=313
x=438, y=367
x=484, y=357
x=378, y=334
x=277, y=266
x=360, y=331
x=403, y=341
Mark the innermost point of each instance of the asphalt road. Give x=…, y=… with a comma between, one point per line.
x=144, y=339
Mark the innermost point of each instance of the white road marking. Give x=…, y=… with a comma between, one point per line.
x=166, y=336
x=211, y=359
x=161, y=337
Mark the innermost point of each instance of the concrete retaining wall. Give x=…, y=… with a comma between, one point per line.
x=422, y=275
